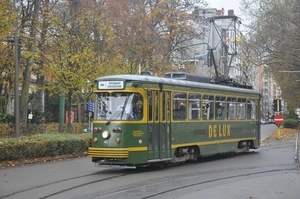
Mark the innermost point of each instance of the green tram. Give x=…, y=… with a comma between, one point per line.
x=144, y=120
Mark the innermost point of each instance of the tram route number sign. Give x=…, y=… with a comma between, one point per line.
x=278, y=120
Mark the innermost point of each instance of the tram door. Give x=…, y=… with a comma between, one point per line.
x=159, y=132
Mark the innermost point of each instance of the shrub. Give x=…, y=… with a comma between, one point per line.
x=6, y=130
x=7, y=118
x=43, y=145
x=290, y=123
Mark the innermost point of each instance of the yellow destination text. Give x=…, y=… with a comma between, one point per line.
x=218, y=131
x=137, y=133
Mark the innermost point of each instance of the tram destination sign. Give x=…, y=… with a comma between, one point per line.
x=110, y=85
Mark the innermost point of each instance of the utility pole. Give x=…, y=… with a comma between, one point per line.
x=195, y=62
x=16, y=82
x=62, y=94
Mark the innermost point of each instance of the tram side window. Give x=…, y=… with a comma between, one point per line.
x=208, y=107
x=150, y=105
x=220, y=107
x=251, y=109
x=241, y=108
x=156, y=101
x=231, y=108
x=179, y=106
x=194, y=106
x=163, y=107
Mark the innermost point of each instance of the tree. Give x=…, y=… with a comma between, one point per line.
x=275, y=39
x=78, y=51
x=7, y=17
x=96, y=38
x=146, y=31
x=28, y=42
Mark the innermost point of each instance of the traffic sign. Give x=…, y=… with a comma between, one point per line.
x=91, y=106
x=278, y=120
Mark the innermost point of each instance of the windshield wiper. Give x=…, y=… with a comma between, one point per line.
x=125, y=104
x=116, y=114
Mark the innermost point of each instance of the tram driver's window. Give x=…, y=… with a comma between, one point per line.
x=137, y=106
x=231, y=108
x=208, y=107
x=179, y=106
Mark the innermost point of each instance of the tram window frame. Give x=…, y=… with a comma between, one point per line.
x=251, y=110
x=208, y=107
x=179, y=105
x=241, y=109
x=231, y=108
x=220, y=110
x=194, y=109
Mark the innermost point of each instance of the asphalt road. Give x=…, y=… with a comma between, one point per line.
x=267, y=173
x=267, y=129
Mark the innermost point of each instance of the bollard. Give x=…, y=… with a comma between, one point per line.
x=278, y=134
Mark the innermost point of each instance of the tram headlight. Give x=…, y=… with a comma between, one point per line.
x=105, y=134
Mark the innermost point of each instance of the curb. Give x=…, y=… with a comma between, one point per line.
x=297, y=152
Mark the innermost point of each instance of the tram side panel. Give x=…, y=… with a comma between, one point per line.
x=213, y=137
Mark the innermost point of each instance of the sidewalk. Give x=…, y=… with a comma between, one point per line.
x=286, y=136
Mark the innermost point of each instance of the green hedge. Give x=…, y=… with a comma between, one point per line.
x=290, y=123
x=8, y=131
x=43, y=145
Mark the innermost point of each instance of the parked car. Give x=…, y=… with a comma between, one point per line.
x=270, y=121
x=263, y=121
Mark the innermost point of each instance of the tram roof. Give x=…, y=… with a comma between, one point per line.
x=176, y=82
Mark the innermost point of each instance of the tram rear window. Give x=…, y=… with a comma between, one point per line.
x=175, y=76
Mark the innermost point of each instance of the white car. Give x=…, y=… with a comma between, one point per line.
x=263, y=121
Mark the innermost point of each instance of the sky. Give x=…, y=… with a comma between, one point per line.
x=227, y=5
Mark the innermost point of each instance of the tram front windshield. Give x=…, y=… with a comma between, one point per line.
x=118, y=106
